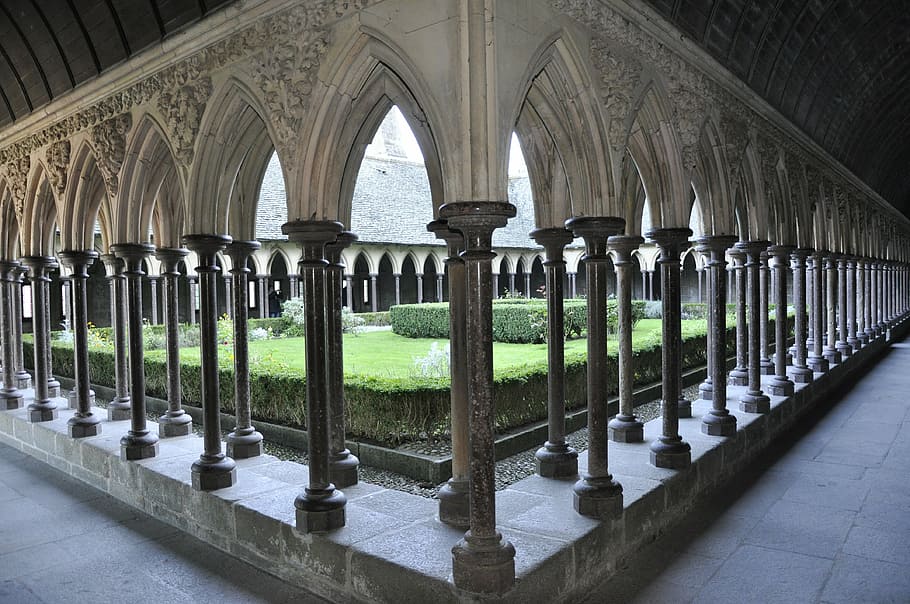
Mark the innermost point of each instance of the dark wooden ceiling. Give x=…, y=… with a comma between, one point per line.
x=838, y=69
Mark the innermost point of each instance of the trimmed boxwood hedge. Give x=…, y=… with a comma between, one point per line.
x=388, y=410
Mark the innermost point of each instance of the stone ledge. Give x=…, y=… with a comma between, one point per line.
x=393, y=549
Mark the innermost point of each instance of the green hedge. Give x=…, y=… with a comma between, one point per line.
x=375, y=319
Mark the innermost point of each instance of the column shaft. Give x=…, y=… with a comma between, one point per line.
x=781, y=385
x=175, y=421
x=10, y=396
x=42, y=408
x=754, y=400
x=801, y=373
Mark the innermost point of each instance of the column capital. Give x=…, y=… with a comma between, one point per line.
x=454, y=239
x=752, y=247
x=670, y=241
x=595, y=230
x=132, y=255
x=801, y=253
x=170, y=257
x=737, y=256
x=205, y=247
x=554, y=240
x=715, y=244
x=9, y=270
x=239, y=251
x=312, y=236
x=781, y=255
x=38, y=266
x=333, y=250
x=78, y=261
x=623, y=246
x=477, y=220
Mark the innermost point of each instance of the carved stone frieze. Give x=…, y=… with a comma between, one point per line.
x=16, y=174
x=182, y=108
x=58, y=161
x=619, y=78
x=109, y=142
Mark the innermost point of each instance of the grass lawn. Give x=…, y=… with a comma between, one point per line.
x=383, y=353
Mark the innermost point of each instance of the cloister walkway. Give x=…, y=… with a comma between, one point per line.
x=823, y=516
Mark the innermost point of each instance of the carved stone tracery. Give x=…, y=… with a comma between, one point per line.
x=109, y=143
x=182, y=108
x=58, y=160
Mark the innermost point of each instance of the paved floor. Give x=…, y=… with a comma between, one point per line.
x=823, y=517
x=63, y=541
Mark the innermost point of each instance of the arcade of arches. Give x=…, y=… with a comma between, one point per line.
x=155, y=167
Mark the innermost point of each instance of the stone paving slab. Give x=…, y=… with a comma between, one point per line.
x=394, y=549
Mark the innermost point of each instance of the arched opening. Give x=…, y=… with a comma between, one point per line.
x=385, y=283
x=432, y=282
x=690, y=280
x=538, y=279
x=408, y=281
x=279, y=285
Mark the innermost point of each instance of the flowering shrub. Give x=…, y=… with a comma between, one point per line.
x=435, y=363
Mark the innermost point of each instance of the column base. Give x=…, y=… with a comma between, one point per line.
x=120, y=409
x=53, y=388
x=706, y=391
x=854, y=343
x=788, y=359
x=455, y=503
x=556, y=461
x=171, y=426
x=765, y=366
x=684, y=408
x=85, y=426
x=738, y=377
x=802, y=375
x=818, y=364
x=598, y=497
x=671, y=453
x=780, y=386
x=11, y=399
x=755, y=401
x=73, y=402
x=23, y=381
x=715, y=423
x=844, y=349
x=243, y=444
x=134, y=447
x=869, y=334
x=343, y=469
x=483, y=566
x=832, y=356
x=211, y=474
x=43, y=411
x=320, y=511
x=625, y=429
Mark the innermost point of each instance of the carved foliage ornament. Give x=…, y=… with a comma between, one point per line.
x=109, y=142
x=16, y=173
x=182, y=108
x=58, y=161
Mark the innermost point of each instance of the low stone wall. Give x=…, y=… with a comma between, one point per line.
x=393, y=549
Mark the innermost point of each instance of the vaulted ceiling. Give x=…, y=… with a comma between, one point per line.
x=838, y=69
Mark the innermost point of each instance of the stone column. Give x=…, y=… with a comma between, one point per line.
x=528, y=285
x=439, y=288
x=817, y=362
x=138, y=443
x=10, y=396
x=153, y=287
x=53, y=386
x=175, y=421
x=625, y=427
x=706, y=388
x=228, y=297
x=23, y=379
x=718, y=421
x=779, y=256
x=801, y=372
x=349, y=283
x=213, y=470
x=293, y=286
x=454, y=496
x=495, y=285
x=483, y=561
x=192, y=283
x=374, y=293
x=244, y=441
x=419, y=288
x=739, y=376
x=850, y=277
x=766, y=367
x=321, y=507
x=873, y=298
x=842, y=345
x=861, y=334
x=343, y=465
x=572, y=285
x=262, y=282
x=83, y=423
x=754, y=400
x=555, y=459
x=831, y=351
x=42, y=408
x=512, y=283
x=670, y=450
x=644, y=285
x=119, y=408
x=810, y=299
x=397, y=288
x=597, y=494
x=651, y=295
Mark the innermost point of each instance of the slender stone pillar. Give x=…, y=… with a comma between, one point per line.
x=754, y=400
x=349, y=291
x=831, y=352
x=527, y=285
x=228, y=296
x=83, y=423
x=670, y=450
x=153, y=291
x=454, y=496
x=801, y=372
x=861, y=334
x=572, y=285
x=766, y=367
x=193, y=285
x=23, y=378
x=495, y=285
x=293, y=286
x=119, y=408
x=718, y=421
x=512, y=283
x=439, y=278
x=842, y=345
x=10, y=396
x=262, y=282
x=321, y=507
x=810, y=299
x=213, y=470
x=625, y=427
x=175, y=421
x=817, y=362
x=374, y=292
x=419, y=288
x=483, y=561
x=739, y=376
x=138, y=443
x=42, y=408
x=343, y=465
x=850, y=277
x=244, y=441
x=597, y=494
x=53, y=385
x=555, y=459
x=779, y=256
x=397, y=288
